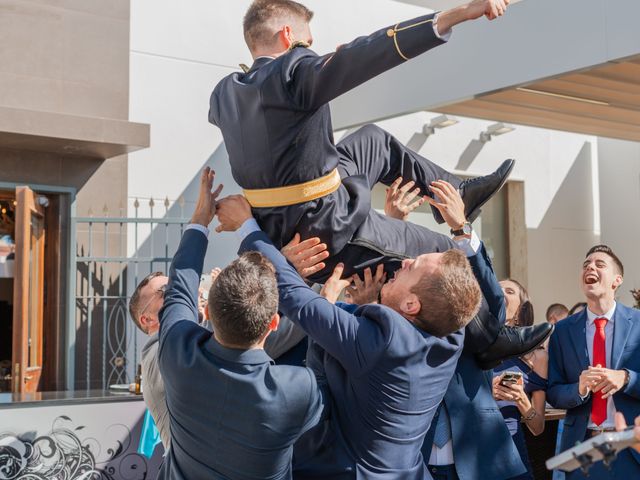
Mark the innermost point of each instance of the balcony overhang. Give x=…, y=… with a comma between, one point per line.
x=572, y=65
x=602, y=101
x=70, y=135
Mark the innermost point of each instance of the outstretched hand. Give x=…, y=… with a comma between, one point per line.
x=449, y=203
x=367, y=291
x=307, y=256
x=232, y=212
x=206, y=205
x=491, y=9
x=335, y=284
x=399, y=202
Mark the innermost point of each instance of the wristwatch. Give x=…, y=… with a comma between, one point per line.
x=465, y=229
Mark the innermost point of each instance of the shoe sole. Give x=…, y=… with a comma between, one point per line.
x=471, y=216
x=495, y=363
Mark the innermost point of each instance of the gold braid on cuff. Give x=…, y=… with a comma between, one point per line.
x=392, y=32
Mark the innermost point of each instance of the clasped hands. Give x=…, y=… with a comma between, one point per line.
x=596, y=379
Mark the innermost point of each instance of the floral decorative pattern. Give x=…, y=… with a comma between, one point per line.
x=63, y=455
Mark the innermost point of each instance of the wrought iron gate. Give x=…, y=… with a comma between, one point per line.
x=112, y=254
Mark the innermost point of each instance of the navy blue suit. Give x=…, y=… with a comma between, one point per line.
x=568, y=357
x=276, y=124
x=234, y=414
x=482, y=445
x=386, y=377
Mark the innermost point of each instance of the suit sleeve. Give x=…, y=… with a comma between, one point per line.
x=338, y=332
x=315, y=80
x=491, y=289
x=633, y=387
x=561, y=393
x=181, y=298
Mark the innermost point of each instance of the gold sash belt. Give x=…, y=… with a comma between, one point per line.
x=293, y=194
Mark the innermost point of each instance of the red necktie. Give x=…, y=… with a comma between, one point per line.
x=599, y=405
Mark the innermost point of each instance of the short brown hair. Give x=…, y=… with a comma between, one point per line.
x=450, y=298
x=256, y=24
x=134, y=302
x=606, y=249
x=243, y=299
x=556, y=309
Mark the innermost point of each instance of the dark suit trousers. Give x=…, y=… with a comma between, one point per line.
x=377, y=155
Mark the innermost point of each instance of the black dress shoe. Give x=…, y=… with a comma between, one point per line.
x=513, y=342
x=475, y=192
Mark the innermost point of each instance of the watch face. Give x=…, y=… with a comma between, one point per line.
x=466, y=228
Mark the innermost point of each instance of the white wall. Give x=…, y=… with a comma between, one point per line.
x=620, y=207
x=180, y=50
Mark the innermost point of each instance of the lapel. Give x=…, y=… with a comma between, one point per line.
x=622, y=327
x=578, y=335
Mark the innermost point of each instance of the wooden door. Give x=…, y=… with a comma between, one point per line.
x=28, y=292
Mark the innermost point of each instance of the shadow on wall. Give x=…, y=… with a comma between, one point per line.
x=567, y=230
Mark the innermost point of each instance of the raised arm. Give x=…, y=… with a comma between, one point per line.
x=335, y=330
x=181, y=297
x=315, y=80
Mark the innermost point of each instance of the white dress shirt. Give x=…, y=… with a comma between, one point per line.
x=608, y=332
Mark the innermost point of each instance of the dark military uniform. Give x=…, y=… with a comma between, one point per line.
x=276, y=124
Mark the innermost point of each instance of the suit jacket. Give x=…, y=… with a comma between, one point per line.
x=386, y=377
x=482, y=444
x=276, y=125
x=233, y=413
x=568, y=357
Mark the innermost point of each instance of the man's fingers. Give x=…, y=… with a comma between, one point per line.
x=394, y=186
x=217, y=191
x=436, y=204
x=337, y=272
x=311, y=261
x=408, y=197
x=407, y=186
x=379, y=278
x=368, y=278
x=416, y=204
x=305, y=253
x=357, y=281
x=292, y=243
x=307, y=272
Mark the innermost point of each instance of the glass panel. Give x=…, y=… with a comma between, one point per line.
x=35, y=290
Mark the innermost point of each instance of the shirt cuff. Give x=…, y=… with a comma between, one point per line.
x=247, y=228
x=469, y=246
x=198, y=227
x=445, y=36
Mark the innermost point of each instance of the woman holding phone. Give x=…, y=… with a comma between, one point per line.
x=519, y=384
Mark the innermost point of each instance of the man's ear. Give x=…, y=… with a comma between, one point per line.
x=145, y=323
x=286, y=37
x=617, y=281
x=410, y=305
x=275, y=321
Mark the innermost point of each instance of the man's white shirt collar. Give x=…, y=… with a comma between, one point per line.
x=591, y=317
